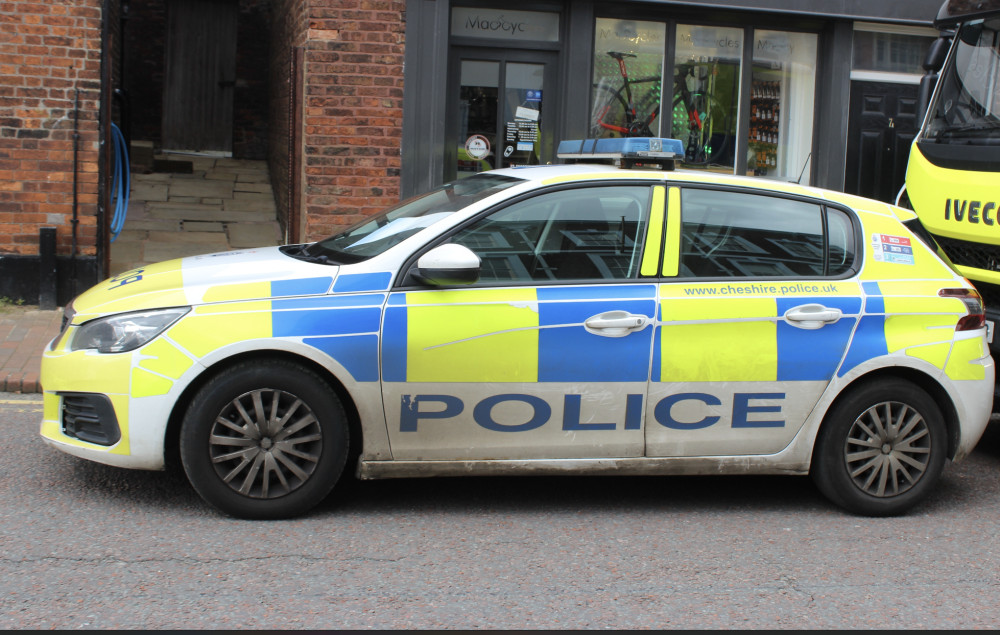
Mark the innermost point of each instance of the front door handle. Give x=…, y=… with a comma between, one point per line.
x=615, y=323
x=812, y=316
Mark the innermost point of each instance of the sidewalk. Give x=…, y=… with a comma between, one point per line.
x=25, y=331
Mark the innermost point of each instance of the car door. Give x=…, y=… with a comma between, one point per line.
x=754, y=320
x=547, y=355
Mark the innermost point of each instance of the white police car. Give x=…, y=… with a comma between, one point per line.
x=556, y=319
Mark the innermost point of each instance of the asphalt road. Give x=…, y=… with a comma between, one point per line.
x=84, y=546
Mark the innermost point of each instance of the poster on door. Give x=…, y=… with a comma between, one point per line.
x=522, y=134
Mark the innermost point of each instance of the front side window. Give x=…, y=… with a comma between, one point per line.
x=375, y=235
x=592, y=233
x=734, y=234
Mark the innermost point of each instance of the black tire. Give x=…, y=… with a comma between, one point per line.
x=248, y=472
x=881, y=448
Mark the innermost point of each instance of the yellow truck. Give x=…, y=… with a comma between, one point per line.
x=953, y=175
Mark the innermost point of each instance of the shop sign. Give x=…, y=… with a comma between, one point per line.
x=635, y=36
x=709, y=42
x=501, y=24
x=774, y=46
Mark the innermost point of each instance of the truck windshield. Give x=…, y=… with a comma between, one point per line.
x=967, y=108
x=378, y=233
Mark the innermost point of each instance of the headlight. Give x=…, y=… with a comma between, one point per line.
x=126, y=331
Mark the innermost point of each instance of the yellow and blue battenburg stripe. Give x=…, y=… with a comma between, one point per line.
x=805, y=355
x=514, y=335
x=869, y=337
x=705, y=335
x=345, y=327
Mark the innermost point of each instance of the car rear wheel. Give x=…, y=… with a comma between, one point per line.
x=264, y=440
x=881, y=448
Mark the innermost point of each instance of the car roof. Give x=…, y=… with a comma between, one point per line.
x=547, y=174
x=582, y=172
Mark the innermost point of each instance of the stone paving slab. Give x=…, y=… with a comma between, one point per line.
x=203, y=188
x=260, y=188
x=203, y=226
x=247, y=235
x=250, y=203
x=149, y=191
x=216, y=174
x=160, y=252
x=211, y=214
x=216, y=239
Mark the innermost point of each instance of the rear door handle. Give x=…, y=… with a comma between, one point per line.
x=615, y=323
x=812, y=316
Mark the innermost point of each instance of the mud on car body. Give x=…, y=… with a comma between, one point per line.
x=556, y=319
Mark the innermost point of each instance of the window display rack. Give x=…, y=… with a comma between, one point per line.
x=765, y=114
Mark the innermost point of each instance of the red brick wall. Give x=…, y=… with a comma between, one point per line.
x=47, y=50
x=352, y=118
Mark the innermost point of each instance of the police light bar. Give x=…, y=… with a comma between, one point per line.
x=627, y=151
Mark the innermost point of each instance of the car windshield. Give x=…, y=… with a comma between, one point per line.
x=967, y=108
x=374, y=235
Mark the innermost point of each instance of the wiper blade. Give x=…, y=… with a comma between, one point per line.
x=972, y=127
x=301, y=252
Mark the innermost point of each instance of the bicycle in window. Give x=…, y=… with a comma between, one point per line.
x=632, y=109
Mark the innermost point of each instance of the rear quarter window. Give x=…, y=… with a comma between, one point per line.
x=730, y=234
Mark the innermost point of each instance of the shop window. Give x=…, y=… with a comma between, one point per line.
x=628, y=73
x=705, y=99
x=781, y=105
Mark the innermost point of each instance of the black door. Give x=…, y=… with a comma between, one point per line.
x=200, y=73
x=881, y=126
x=501, y=110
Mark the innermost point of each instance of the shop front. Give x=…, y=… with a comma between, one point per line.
x=747, y=89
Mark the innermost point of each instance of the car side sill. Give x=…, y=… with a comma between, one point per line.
x=772, y=464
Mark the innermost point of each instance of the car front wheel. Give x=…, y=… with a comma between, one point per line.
x=881, y=448
x=264, y=440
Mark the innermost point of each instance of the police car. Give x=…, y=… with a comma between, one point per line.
x=566, y=319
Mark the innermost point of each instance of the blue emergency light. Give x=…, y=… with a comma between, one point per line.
x=626, y=151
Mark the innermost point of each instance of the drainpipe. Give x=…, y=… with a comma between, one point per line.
x=76, y=172
x=103, y=129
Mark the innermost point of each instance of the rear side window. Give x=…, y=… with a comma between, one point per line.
x=734, y=234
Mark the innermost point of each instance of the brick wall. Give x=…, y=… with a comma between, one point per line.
x=352, y=117
x=48, y=50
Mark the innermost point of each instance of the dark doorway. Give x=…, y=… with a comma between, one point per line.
x=881, y=126
x=200, y=75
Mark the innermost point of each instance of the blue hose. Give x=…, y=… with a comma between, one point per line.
x=122, y=183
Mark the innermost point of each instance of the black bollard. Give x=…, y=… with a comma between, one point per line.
x=47, y=272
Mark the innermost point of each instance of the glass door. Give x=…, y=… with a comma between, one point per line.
x=501, y=112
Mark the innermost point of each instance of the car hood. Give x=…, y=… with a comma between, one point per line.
x=247, y=274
